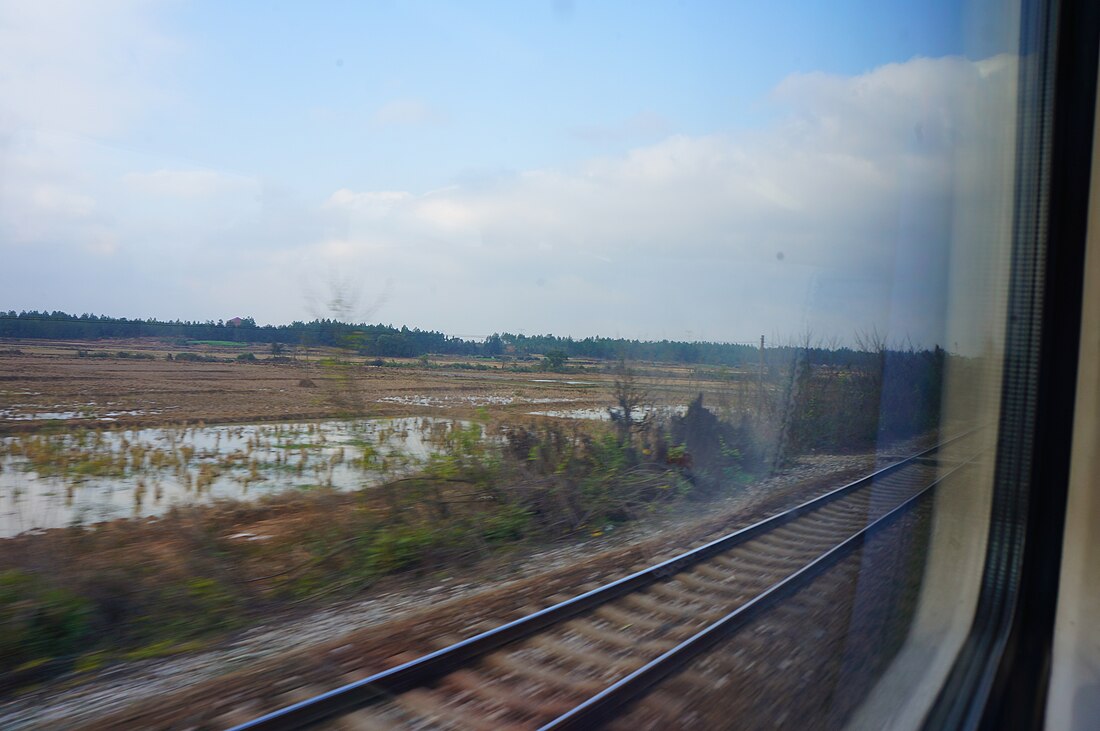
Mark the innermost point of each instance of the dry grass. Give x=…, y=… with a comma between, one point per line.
x=130, y=588
x=141, y=587
x=49, y=377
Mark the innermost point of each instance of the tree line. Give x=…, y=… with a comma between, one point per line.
x=390, y=341
x=366, y=339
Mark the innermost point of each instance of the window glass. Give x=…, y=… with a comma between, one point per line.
x=333, y=334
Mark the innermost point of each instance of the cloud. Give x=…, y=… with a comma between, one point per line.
x=405, y=113
x=43, y=199
x=450, y=215
x=185, y=183
x=52, y=200
x=73, y=76
x=839, y=216
x=644, y=125
x=78, y=67
x=104, y=243
x=368, y=200
x=369, y=204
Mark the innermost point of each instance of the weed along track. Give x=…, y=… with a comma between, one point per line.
x=582, y=661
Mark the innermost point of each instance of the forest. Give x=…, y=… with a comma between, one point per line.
x=402, y=342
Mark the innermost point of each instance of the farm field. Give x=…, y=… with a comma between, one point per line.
x=116, y=431
x=155, y=507
x=49, y=382
x=156, y=494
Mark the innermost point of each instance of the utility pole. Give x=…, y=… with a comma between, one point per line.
x=760, y=378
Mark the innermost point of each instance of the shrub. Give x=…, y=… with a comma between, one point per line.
x=197, y=358
x=509, y=523
x=38, y=621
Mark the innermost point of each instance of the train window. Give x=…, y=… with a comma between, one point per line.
x=564, y=365
x=1074, y=679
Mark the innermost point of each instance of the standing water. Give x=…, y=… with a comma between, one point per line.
x=58, y=479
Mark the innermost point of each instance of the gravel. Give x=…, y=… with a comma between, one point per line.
x=82, y=698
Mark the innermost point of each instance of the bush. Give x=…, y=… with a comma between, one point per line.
x=400, y=547
x=510, y=523
x=197, y=358
x=38, y=621
x=710, y=450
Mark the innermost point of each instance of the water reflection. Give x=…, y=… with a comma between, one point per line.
x=53, y=480
x=640, y=413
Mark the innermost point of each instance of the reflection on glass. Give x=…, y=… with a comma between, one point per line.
x=277, y=300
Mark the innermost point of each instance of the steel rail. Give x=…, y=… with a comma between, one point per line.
x=602, y=707
x=427, y=668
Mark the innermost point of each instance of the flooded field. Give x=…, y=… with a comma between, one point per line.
x=85, y=440
x=475, y=400
x=88, y=411
x=49, y=480
x=604, y=414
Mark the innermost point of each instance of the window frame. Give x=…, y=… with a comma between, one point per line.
x=1000, y=677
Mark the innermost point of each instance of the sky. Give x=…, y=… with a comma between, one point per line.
x=681, y=170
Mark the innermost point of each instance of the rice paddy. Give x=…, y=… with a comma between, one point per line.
x=54, y=479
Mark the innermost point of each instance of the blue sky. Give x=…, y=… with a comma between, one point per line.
x=477, y=89
x=686, y=170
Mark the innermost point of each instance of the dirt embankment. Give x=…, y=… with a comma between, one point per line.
x=395, y=621
x=293, y=646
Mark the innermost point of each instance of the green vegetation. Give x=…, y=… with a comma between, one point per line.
x=388, y=341
x=554, y=360
x=39, y=619
x=893, y=395
x=218, y=343
x=199, y=358
x=124, y=354
x=135, y=589
x=519, y=353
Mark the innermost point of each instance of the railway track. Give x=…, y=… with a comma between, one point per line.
x=577, y=663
